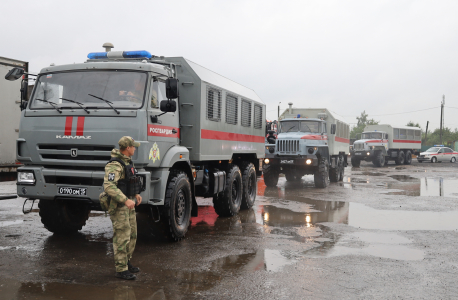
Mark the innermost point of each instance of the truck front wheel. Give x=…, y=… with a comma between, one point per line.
x=355, y=162
x=176, y=214
x=63, y=216
x=321, y=176
x=270, y=175
x=228, y=203
x=379, y=159
x=408, y=159
x=249, y=180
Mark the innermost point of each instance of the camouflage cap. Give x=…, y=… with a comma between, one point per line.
x=127, y=141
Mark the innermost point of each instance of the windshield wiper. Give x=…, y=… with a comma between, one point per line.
x=291, y=128
x=106, y=101
x=53, y=104
x=80, y=104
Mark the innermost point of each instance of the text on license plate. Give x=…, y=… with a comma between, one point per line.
x=357, y=153
x=287, y=161
x=72, y=191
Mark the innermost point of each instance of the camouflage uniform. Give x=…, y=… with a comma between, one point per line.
x=123, y=219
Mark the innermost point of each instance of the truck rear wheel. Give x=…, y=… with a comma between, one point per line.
x=321, y=176
x=228, y=203
x=176, y=214
x=270, y=175
x=379, y=159
x=401, y=158
x=249, y=180
x=408, y=159
x=63, y=216
x=355, y=162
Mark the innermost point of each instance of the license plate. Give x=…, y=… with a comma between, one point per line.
x=72, y=191
x=357, y=153
x=287, y=161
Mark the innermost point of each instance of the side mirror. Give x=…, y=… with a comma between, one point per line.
x=386, y=136
x=168, y=106
x=14, y=74
x=171, y=88
x=333, y=128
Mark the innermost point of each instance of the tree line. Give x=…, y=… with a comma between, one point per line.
x=433, y=138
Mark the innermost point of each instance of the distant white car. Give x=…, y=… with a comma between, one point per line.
x=437, y=154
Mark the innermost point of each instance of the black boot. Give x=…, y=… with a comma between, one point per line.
x=132, y=269
x=125, y=275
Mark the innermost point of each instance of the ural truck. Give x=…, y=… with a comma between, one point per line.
x=200, y=134
x=10, y=115
x=382, y=143
x=304, y=146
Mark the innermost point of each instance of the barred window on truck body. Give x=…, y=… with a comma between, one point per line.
x=246, y=113
x=257, y=116
x=231, y=109
x=213, y=104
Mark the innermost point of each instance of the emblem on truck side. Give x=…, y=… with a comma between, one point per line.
x=154, y=153
x=73, y=152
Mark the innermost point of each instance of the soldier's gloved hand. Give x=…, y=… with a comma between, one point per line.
x=130, y=204
x=139, y=199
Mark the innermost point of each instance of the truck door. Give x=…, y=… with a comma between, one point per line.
x=165, y=133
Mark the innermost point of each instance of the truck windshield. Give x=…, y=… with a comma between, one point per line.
x=122, y=89
x=371, y=135
x=300, y=126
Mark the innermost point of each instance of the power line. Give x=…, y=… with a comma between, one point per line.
x=404, y=112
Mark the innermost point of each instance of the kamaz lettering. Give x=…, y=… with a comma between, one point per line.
x=72, y=137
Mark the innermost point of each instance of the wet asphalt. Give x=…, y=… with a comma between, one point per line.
x=382, y=233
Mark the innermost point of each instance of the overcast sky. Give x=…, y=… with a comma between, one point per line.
x=384, y=57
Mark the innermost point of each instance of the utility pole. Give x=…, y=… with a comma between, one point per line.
x=278, y=111
x=426, y=133
x=442, y=114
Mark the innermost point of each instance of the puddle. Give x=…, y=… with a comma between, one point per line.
x=8, y=223
x=411, y=186
x=362, y=216
x=372, y=173
x=319, y=212
x=384, y=245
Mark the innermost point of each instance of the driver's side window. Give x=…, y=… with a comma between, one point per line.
x=157, y=93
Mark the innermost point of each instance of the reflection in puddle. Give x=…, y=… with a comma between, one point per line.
x=362, y=216
x=384, y=245
x=411, y=186
x=372, y=173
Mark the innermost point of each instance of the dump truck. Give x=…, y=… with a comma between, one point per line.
x=10, y=115
x=382, y=143
x=200, y=134
x=309, y=141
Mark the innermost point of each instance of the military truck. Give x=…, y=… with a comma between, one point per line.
x=200, y=134
x=382, y=143
x=304, y=146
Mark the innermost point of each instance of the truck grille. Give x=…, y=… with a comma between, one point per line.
x=288, y=146
x=358, y=146
x=83, y=152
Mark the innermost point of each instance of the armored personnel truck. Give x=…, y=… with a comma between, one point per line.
x=200, y=134
x=309, y=141
x=382, y=143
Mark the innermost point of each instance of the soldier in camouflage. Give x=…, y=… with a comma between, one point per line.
x=122, y=209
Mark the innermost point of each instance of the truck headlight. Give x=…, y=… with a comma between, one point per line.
x=368, y=153
x=266, y=161
x=308, y=161
x=26, y=177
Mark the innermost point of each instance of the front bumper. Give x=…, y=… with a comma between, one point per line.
x=48, y=181
x=363, y=154
x=423, y=158
x=294, y=161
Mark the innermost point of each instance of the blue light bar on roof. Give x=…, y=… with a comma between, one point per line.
x=439, y=146
x=120, y=54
